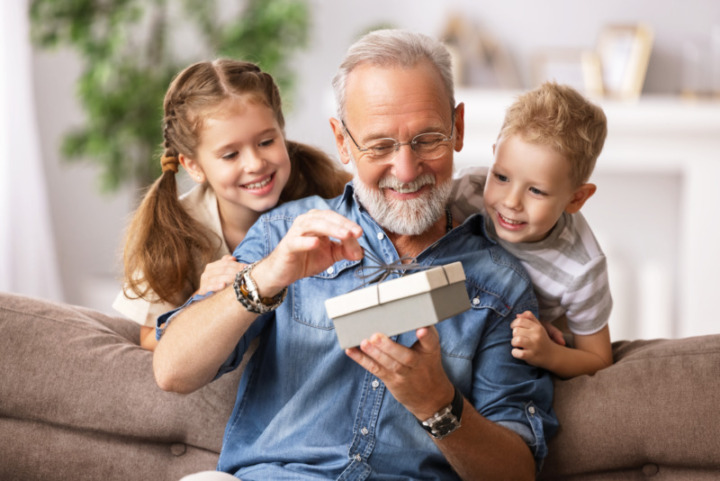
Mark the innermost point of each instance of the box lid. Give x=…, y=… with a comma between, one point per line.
x=388, y=291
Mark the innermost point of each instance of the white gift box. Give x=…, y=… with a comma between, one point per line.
x=399, y=305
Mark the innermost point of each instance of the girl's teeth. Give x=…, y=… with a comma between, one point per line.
x=258, y=185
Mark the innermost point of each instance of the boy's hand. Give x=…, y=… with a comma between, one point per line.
x=531, y=341
x=555, y=334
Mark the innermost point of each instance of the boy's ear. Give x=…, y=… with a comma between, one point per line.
x=581, y=194
x=193, y=168
x=339, y=134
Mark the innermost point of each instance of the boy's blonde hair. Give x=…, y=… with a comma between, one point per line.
x=560, y=117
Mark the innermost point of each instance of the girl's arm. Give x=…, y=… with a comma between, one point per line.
x=216, y=276
x=532, y=344
x=147, y=338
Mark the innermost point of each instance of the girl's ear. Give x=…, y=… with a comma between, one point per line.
x=193, y=168
x=579, y=197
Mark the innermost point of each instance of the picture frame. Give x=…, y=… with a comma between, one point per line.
x=578, y=68
x=624, y=53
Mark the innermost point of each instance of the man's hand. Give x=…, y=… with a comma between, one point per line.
x=414, y=376
x=314, y=242
x=219, y=274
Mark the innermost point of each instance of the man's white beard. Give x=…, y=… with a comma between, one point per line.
x=404, y=217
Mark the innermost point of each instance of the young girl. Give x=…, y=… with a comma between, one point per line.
x=224, y=124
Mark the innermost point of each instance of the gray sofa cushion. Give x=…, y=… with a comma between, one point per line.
x=77, y=390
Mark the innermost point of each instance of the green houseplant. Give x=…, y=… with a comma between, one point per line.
x=130, y=50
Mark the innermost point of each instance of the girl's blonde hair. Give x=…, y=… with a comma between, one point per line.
x=166, y=249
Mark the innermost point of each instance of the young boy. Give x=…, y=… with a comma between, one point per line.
x=531, y=198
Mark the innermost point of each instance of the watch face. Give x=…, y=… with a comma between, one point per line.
x=445, y=424
x=447, y=420
x=442, y=424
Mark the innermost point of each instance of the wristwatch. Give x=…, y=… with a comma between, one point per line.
x=248, y=295
x=447, y=420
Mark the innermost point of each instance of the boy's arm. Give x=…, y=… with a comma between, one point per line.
x=532, y=344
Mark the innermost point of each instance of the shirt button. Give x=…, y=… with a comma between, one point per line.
x=375, y=384
x=358, y=458
x=380, y=236
x=531, y=410
x=330, y=270
x=364, y=431
x=475, y=301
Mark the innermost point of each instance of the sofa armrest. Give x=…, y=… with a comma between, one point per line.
x=656, y=406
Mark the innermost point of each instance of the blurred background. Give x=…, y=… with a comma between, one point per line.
x=654, y=66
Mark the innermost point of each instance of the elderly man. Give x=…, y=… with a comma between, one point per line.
x=306, y=408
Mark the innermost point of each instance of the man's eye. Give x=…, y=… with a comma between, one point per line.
x=382, y=148
x=428, y=141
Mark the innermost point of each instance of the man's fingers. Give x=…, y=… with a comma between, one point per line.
x=326, y=224
x=428, y=338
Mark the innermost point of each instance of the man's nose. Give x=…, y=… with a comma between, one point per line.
x=406, y=165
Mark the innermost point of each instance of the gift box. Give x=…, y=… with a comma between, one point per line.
x=399, y=305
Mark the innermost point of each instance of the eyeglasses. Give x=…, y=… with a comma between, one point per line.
x=427, y=146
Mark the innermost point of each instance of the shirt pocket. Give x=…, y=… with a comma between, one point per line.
x=307, y=296
x=463, y=335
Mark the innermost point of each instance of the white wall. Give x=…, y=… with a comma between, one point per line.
x=88, y=227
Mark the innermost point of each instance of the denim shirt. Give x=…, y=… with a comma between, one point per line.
x=305, y=410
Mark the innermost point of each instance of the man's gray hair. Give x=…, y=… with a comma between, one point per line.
x=388, y=48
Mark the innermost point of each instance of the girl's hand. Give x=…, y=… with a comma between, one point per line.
x=530, y=340
x=219, y=274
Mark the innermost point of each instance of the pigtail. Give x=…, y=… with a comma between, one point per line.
x=313, y=173
x=165, y=248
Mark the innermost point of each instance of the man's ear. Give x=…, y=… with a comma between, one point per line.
x=459, y=126
x=193, y=168
x=579, y=197
x=339, y=134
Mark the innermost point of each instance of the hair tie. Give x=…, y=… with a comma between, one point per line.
x=169, y=162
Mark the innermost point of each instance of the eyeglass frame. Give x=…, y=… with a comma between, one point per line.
x=396, y=145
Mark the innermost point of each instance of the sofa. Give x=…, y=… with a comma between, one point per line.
x=79, y=402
